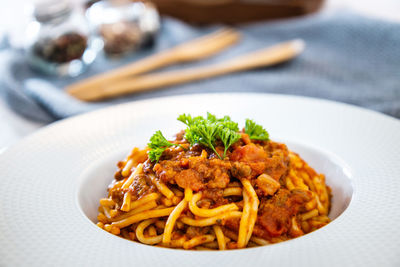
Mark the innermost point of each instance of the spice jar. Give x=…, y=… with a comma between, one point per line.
x=59, y=39
x=124, y=25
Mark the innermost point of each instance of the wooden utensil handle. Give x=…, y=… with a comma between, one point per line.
x=147, y=64
x=261, y=58
x=195, y=49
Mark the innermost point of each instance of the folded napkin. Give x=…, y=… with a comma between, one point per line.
x=348, y=58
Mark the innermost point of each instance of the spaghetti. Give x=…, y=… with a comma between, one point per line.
x=258, y=194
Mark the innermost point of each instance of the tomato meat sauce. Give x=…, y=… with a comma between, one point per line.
x=199, y=168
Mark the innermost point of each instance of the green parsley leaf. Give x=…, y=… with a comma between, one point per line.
x=155, y=153
x=211, y=117
x=207, y=131
x=158, y=140
x=231, y=125
x=225, y=122
x=186, y=119
x=255, y=131
x=191, y=137
x=228, y=137
x=158, y=144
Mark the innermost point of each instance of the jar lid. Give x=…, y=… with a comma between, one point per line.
x=47, y=10
x=105, y=12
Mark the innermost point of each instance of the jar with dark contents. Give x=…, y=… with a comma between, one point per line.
x=59, y=39
x=124, y=25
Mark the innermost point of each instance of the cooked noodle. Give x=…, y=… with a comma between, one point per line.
x=260, y=194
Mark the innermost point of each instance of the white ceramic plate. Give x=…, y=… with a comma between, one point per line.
x=51, y=181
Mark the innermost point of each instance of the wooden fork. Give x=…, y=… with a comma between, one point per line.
x=196, y=49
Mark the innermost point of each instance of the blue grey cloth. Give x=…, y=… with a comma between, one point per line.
x=348, y=58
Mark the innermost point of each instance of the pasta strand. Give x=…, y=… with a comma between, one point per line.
x=129, y=181
x=169, y=226
x=143, y=216
x=211, y=220
x=209, y=212
x=152, y=240
x=244, y=221
x=162, y=187
x=220, y=237
x=198, y=240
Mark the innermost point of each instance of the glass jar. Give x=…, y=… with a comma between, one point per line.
x=124, y=25
x=58, y=39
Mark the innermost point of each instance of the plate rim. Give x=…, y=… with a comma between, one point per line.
x=134, y=102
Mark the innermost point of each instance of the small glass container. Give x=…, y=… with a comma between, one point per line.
x=124, y=25
x=59, y=41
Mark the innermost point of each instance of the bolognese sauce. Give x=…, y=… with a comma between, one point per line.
x=259, y=192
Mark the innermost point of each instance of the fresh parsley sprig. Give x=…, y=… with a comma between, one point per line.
x=224, y=122
x=158, y=143
x=155, y=153
x=189, y=120
x=228, y=137
x=255, y=131
x=207, y=132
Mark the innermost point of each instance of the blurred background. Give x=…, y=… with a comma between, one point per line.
x=351, y=51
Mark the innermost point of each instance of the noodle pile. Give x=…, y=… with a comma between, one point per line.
x=287, y=200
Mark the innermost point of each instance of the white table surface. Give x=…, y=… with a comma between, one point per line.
x=14, y=127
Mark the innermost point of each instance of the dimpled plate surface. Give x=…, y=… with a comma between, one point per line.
x=42, y=225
